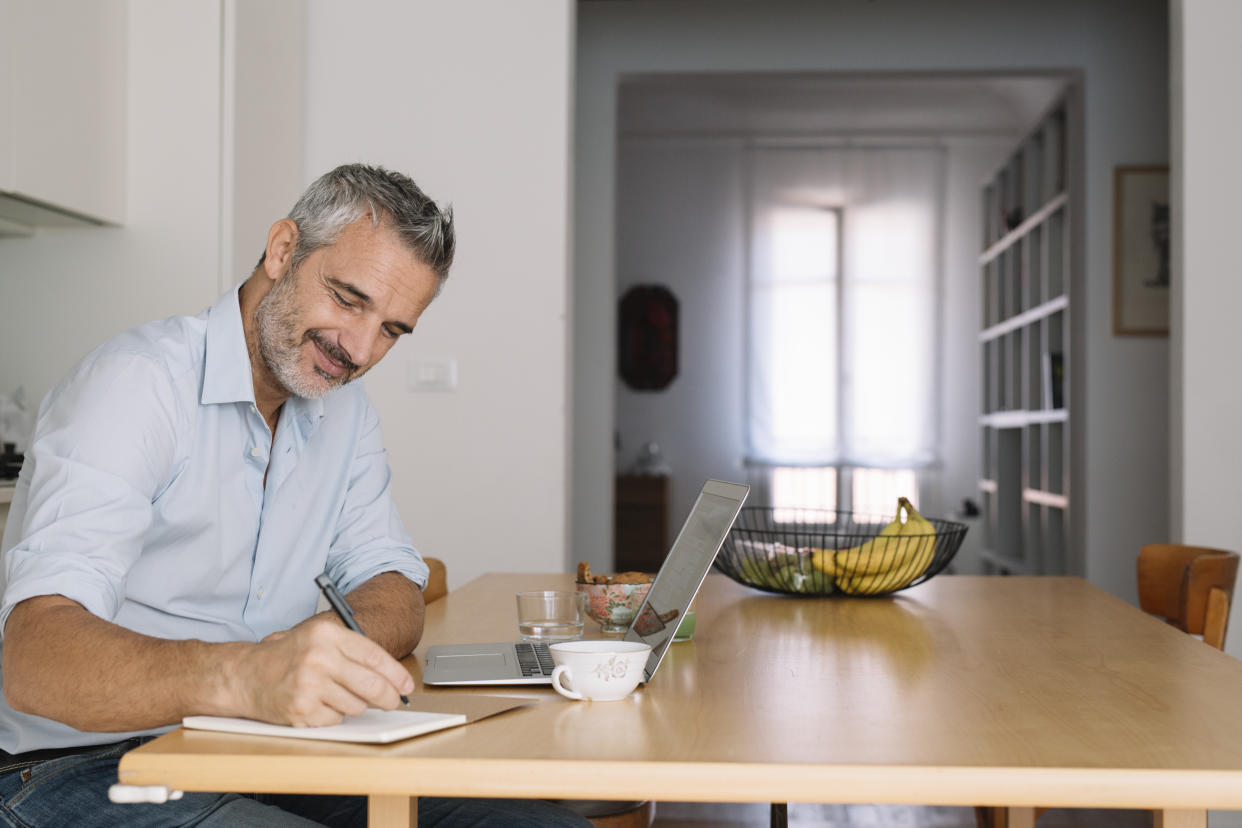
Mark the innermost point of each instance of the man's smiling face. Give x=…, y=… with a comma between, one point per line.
x=335, y=316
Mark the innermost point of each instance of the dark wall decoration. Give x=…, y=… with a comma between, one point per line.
x=647, y=337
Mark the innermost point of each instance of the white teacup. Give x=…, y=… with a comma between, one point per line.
x=598, y=670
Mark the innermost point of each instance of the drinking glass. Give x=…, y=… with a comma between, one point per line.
x=550, y=615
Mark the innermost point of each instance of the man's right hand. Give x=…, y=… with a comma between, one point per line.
x=315, y=674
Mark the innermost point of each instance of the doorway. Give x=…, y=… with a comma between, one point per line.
x=685, y=143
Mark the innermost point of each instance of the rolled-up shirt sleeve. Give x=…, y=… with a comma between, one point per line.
x=105, y=445
x=370, y=538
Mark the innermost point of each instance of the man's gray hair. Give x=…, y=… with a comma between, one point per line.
x=346, y=194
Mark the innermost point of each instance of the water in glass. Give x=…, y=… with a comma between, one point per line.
x=549, y=630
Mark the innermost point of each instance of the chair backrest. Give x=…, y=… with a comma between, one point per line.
x=1189, y=586
x=437, y=581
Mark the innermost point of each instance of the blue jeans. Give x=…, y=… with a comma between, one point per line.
x=73, y=790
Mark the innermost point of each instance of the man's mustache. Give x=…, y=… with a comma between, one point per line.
x=335, y=352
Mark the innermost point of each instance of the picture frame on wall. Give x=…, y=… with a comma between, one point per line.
x=647, y=337
x=1141, y=275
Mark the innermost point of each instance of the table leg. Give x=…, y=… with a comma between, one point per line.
x=778, y=815
x=392, y=812
x=1181, y=819
x=1019, y=818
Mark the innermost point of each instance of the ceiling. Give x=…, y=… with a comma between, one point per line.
x=793, y=104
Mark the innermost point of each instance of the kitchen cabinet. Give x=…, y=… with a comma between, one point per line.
x=62, y=112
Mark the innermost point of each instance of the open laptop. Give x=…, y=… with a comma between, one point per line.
x=656, y=621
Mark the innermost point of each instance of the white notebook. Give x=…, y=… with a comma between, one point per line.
x=375, y=726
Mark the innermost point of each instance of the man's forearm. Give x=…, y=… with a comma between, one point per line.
x=64, y=663
x=390, y=608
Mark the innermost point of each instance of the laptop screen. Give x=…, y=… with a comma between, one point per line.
x=685, y=567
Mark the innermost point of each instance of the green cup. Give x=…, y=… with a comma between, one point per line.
x=685, y=630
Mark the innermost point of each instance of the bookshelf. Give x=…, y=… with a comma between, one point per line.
x=1025, y=340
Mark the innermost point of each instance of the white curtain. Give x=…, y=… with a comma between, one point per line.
x=843, y=290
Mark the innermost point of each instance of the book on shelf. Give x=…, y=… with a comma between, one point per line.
x=1054, y=380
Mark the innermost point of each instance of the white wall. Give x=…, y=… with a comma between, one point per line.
x=680, y=223
x=472, y=100
x=1121, y=48
x=1207, y=178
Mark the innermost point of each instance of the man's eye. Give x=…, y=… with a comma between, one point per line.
x=392, y=334
x=340, y=300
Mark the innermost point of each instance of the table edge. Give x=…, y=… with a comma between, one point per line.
x=690, y=781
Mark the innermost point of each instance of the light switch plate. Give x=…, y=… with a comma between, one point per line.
x=429, y=374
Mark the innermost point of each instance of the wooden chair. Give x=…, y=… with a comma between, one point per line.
x=613, y=814
x=601, y=814
x=437, y=581
x=1191, y=587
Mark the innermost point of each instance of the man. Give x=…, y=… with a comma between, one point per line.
x=185, y=484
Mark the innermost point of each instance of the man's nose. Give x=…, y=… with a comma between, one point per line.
x=359, y=343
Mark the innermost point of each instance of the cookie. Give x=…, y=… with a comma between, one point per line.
x=631, y=578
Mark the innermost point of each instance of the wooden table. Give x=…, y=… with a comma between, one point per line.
x=963, y=691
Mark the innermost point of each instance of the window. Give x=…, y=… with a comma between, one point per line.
x=794, y=488
x=870, y=491
x=842, y=312
x=795, y=332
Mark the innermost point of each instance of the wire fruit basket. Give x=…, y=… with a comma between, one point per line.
x=821, y=552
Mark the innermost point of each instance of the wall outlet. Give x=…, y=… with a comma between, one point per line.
x=431, y=375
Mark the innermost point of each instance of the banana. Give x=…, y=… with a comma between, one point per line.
x=914, y=566
x=824, y=560
x=876, y=555
x=899, y=549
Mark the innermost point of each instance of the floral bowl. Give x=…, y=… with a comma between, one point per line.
x=613, y=606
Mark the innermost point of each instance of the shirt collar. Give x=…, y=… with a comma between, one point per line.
x=226, y=375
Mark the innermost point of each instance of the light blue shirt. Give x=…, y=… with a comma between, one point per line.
x=142, y=498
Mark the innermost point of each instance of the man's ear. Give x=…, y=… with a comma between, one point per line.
x=281, y=240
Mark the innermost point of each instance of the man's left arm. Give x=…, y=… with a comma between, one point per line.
x=389, y=608
x=372, y=558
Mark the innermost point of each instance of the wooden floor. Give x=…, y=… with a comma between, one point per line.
x=705, y=815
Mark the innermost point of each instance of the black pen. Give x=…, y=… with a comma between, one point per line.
x=343, y=611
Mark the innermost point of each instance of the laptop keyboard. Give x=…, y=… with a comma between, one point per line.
x=534, y=659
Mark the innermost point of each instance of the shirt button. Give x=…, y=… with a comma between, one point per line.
x=259, y=593
x=254, y=408
x=254, y=452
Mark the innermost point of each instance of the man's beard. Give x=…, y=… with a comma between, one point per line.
x=280, y=345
